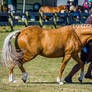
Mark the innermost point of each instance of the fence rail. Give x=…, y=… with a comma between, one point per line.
x=34, y=18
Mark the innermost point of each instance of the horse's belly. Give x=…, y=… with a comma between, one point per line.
x=53, y=54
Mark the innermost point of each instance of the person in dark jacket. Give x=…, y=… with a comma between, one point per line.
x=70, y=6
x=85, y=55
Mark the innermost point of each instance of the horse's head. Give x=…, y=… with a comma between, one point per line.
x=62, y=7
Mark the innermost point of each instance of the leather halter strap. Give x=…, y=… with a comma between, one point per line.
x=78, y=38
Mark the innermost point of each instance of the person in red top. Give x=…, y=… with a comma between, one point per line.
x=86, y=57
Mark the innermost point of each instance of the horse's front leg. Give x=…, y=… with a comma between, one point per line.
x=11, y=72
x=76, y=57
x=63, y=64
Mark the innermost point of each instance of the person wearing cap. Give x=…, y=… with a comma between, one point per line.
x=85, y=56
x=69, y=4
x=89, y=4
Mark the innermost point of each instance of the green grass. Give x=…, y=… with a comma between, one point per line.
x=42, y=74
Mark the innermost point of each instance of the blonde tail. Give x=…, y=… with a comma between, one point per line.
x=8, y=52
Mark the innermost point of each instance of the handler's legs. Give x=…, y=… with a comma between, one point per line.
x=71, y=74
x=76, y=68
x=88, y=74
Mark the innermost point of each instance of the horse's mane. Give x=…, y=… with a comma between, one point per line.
x=81, y=25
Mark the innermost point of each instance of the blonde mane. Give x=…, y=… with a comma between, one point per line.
x=82, y=25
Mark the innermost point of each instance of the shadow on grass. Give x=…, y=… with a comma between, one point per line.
x=42, y=83
x=83, y=83
x=5, y=31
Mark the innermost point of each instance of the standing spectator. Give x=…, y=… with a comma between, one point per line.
x=69, y=4
x=89, y=4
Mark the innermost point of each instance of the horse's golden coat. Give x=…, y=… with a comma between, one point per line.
x=63, y=42
x=47, y=9
x=52, y=43
x=48, y=42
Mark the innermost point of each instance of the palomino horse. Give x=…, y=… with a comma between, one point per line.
x=47, y=9
x=31, y=41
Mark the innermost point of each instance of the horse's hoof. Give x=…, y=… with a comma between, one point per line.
x=59, y=81
x=24, y=80
x=13, y=81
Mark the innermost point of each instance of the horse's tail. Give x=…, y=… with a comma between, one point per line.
x=9, y=54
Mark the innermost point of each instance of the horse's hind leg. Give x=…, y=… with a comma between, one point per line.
x=20, y=65
x=24, y=78
x=76, y=57
x=11, y=72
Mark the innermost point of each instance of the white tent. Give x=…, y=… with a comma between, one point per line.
x=2, y=2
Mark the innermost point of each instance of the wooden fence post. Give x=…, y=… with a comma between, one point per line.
x=26, y=19
x=54, y=19
x=40, y=19
x=10, y=20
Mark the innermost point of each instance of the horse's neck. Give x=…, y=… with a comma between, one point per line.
x=84, y=33
x=85, y=39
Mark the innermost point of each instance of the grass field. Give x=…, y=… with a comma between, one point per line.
x=42, y=74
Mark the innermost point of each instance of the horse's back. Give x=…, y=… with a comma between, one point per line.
x=47, y=9
x=54, y=41
x=29, y=37
x=46, y=42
